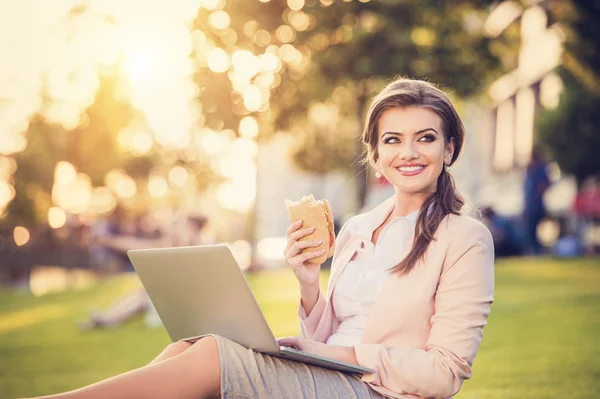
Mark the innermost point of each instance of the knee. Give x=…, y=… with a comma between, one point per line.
x=206, y=348
x=179, y=346
x=206, y=343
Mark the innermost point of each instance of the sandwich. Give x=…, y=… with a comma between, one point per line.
x=315, y=214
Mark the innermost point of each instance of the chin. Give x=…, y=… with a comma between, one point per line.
x=411, y=188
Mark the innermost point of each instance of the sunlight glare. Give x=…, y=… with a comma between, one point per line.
x=218, y=60
x=56, y=217
x=125, y=186
x=270, y=62
x=285, y=34
x=141, y=66
x=21, y=235
x=295, y=4
x=178, y=175
x=157, y=186
x=213, y=4
x=7, y=193
x=246, y=64
x=103, y=202
x=248, y=127
x=220, y=20
x=252, y=98
x=64, y=173
x=141, y=143
x=237, y=195
x=213, y=143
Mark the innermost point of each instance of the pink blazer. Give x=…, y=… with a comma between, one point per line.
x=425, y=327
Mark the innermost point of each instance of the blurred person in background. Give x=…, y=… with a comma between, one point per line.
x=568, y=244
x=504, y=233
x=103, y=258
x=184, y=231
x=411, y=285
x=534, y=186
x=587, y=211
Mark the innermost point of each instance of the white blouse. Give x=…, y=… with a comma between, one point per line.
x=360, y=282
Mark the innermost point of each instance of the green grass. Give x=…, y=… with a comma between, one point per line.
x=542, y=341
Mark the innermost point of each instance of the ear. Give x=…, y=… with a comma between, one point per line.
x=377, y=164
x=449, y=152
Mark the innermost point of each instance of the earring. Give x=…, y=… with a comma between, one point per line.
x=378, y=174
x=447, y=167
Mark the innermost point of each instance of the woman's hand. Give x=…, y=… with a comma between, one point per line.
x=336, y=352
x=307, y=273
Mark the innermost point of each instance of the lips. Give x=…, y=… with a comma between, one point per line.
x=411, y=169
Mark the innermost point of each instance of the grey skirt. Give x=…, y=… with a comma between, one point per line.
x=248, y=374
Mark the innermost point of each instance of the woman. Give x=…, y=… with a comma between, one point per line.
x=410, y=289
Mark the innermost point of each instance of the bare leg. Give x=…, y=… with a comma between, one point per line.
x=119, y=311
x=195, y=373
x=172, y=350
x=127, y=307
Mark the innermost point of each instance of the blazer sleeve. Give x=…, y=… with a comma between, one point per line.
x=462, y=304
x=308, y=324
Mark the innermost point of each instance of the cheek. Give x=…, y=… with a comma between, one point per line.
x=434, y=154
x=386, y=157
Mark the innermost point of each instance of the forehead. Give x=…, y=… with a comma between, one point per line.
x=408, y=120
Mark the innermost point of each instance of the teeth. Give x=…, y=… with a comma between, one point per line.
x=410, y=168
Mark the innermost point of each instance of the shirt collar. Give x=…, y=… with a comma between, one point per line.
x=366, y=223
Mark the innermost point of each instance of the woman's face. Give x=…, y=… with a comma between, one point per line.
x=412, y=149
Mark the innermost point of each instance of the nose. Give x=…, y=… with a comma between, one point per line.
x=408, y=151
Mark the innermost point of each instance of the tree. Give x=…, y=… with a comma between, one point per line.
x=571, y=130
x=348, y=51
x=92, y=148
x=362, y=46
x=328, y=55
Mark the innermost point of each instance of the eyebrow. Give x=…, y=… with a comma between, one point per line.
x=418, y=132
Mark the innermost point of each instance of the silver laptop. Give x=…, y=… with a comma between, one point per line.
x=201, y=290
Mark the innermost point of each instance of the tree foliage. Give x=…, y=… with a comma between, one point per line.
x=351, y=44
x=571, y=130
x=362, y=46
x=347, y=52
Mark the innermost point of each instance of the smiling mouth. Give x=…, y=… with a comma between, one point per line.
x=410, y=170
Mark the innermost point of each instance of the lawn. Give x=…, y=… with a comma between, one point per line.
x=542, y=341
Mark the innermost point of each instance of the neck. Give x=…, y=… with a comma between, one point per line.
x=407, y=203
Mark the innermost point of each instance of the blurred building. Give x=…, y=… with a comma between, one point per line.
x=501, y=133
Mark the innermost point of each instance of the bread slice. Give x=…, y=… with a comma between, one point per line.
x=315, y=214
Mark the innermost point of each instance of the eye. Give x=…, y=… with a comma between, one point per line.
x=428, y=138
x=391, y=140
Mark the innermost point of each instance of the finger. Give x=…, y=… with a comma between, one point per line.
x=288, y=341
x=294, y=237
x=287, y=338
x=293, y=227
x=306, y=256
x=300, y=245
x=297, y=235
x=293, y=342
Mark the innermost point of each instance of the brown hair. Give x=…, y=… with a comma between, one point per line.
x=446, y=199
